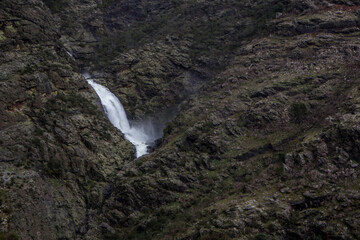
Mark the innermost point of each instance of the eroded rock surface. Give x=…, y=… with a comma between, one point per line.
x=264, y=144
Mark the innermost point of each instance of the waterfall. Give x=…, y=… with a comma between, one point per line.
x=70, y=55
x=140, y=135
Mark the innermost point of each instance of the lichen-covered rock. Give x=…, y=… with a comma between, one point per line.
x=265, y=143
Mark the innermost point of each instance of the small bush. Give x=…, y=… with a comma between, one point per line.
x=36, y=142
x=38, y=131
x=55, y=167
x=358, y=15
x=8, y=236
x=7, y=210
x=106, y=3
x=55, y=6
x=263, y=236
x=2, y=196
x=281, y=157
x=63, y=102
x=298, y=112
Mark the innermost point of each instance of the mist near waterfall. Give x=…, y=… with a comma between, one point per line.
x=141, y=133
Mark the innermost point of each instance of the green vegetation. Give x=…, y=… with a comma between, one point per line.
x=36, y=142
x=298, y=112
x=358, y=15
x=91, y=185
x=2, y=36
x=106, y=3
x=220, y=172
x=56, y=6
x=132, y=38
x=2, y=196
x=38, y=131
x=263, y=236
x=111, y=236
x=55, y=182
x=8, y=236
x=74, y=100
x=54, y=167
x=29, y=68
x=209, y=37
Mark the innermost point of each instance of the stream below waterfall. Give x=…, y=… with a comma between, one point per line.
x=142, y=134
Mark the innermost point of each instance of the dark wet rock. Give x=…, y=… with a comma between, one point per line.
x=309, y=202
x=254, y=152
x=154, y=145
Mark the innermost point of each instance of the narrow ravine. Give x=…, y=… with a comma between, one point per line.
x=141, y=135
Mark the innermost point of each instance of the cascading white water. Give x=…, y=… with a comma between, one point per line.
x=137, y=135
x=70, y=54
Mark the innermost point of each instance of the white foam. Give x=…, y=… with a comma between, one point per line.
x=137, y=135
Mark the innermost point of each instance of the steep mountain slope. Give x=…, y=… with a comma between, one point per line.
x=58, y=152
x=264, y=144
x=265, y=150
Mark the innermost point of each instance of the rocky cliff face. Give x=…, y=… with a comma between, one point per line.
x=264, y=144
x=58, y=152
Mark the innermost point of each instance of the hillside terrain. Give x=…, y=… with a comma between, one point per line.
x=261, y=101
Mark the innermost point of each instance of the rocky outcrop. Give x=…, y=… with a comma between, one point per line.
x=154, y=78
x=334, y=18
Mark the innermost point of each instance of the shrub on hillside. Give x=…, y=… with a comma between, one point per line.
x=55, y=6
x=298, y=112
